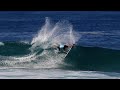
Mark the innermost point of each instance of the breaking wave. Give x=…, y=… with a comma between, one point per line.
x=39, y=53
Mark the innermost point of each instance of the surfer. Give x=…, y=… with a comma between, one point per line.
x=64, y=48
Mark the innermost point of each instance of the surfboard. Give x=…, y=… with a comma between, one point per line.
x=68, y=51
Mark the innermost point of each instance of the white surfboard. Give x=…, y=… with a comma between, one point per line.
x=68, y=52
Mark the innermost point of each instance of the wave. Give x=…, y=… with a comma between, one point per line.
x=14, y=49
x=79, y=58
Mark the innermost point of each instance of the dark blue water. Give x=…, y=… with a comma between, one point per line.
x=99, y=28
x=97, y=49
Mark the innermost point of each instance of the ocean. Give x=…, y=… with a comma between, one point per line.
x=27, y=40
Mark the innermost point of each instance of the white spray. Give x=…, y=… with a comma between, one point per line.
x=49, y=35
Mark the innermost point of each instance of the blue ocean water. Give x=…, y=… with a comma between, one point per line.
x=96, y=55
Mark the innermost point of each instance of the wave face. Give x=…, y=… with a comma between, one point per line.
x=94, y=58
